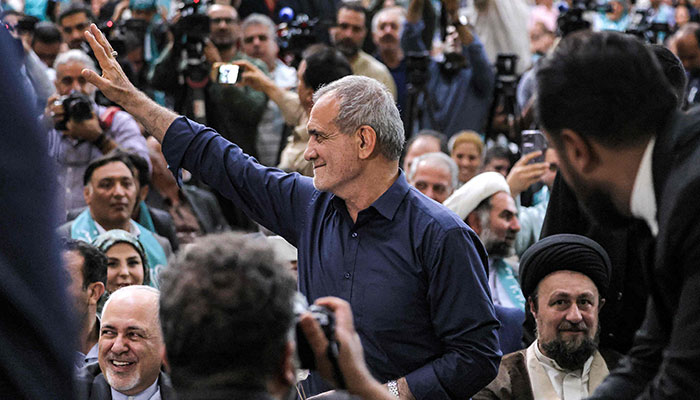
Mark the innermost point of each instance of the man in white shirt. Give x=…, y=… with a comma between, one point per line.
x=564, y=278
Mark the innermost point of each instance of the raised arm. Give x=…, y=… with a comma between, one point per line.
x=117, y=87
x=269, y=196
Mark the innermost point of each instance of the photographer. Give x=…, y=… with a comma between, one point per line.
x=458, y=90
x=89, y=131
x=320, y=66
x=227, y=318
x=233, y=111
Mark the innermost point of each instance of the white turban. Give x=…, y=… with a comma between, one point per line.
x=465, y=199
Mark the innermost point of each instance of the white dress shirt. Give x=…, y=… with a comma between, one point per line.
x=150, y=393
x=643, y=199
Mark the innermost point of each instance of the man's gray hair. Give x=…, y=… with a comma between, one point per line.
x=395, y=9
x=260, y=19
x=365, y=101
x=436, y=158
x=74, y=56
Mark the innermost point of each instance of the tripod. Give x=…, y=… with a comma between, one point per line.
x=504, y=100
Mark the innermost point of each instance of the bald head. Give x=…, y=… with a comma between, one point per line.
x=688, y=48
x=135, y=295
x=131, y=343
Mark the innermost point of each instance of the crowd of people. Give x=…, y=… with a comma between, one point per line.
x=367, y=159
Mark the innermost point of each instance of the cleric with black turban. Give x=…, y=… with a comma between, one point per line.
x=564, y=252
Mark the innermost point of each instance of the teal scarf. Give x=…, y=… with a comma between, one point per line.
x=510, y=284
x=84, y=228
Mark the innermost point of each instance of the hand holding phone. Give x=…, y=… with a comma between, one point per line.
x=533, y=140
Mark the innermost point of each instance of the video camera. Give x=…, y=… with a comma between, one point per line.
x=571, y=18
x=118, y=34
x=642, y=26
x=295, y=35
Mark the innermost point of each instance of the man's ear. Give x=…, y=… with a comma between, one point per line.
x=95, y=291
x=87, y=192
x=580, y=154
x=531, y=305
x=601, y=303
x=143, y=192
x=474, y=222
x=164, y=358
x=367, y=139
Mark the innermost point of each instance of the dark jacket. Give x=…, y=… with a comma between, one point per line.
x=90, y=384
x=665, y=358
x=203, y=203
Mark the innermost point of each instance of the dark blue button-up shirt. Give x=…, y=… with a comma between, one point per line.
x=412, y=271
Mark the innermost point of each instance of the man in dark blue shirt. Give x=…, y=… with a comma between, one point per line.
x=412, y=271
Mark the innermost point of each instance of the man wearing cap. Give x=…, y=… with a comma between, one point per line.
x=565, y=278
x=486, y=205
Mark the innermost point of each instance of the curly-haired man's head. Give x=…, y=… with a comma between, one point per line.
x=226, y=313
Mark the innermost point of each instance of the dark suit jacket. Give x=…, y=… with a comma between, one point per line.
x=90, y=384
x=37, y=327
x=664, y=362
x=204, y=205
x=162, y=222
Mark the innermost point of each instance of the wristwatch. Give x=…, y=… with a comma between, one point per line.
x=393, y=388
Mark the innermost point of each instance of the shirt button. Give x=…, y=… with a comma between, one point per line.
x=354, y=234
x=347, y=275
x=619, y=296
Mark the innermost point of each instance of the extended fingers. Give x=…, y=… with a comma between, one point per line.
x=529, y=157
x=97, y=47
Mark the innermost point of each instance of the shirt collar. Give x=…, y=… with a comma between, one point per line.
x=643, y=199
x=91, y=356
x=134, y=228
x=388, y=203
x=147, y=394
x=548, y=362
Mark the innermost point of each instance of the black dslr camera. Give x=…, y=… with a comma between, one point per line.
x=76, y=106
x=325, y=318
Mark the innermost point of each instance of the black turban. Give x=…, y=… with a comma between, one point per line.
x=564, y=252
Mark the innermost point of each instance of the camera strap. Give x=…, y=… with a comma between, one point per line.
x=107, y=117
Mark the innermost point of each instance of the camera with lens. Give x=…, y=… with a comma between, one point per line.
x=571, y=19
x=326, y=319
x=643, y=26
x=295, y=36
x=76, y=107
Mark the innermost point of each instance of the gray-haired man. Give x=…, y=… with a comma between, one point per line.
x=412, y=271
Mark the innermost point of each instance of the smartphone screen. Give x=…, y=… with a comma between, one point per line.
x=533, y=141
x=229, y=74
